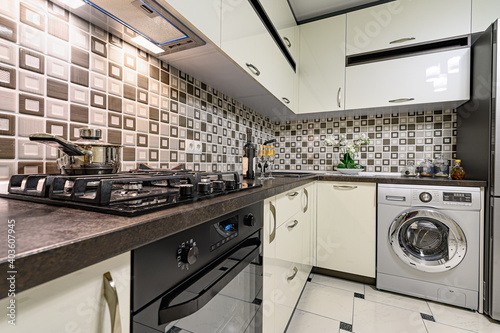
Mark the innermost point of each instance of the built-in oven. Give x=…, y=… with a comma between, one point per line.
x=205, y=279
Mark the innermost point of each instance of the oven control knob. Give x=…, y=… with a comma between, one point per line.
x=189, y=254
x=425, y=197
x=249, y=220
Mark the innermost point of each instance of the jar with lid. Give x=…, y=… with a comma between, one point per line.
x=426, y=168
x=441, y=168
x=410, y=170
x=457, y=172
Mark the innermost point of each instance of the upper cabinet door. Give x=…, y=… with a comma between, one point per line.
x=429, y=78
x=406, y=22
x=322, y=65
x=204, y=15
x=484, y=13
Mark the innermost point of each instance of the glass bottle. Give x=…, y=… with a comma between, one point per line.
x=410, y=170
x=457, y=172
x=427, y=168
x=441, y=168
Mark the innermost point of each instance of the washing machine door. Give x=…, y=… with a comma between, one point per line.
x=427, y=240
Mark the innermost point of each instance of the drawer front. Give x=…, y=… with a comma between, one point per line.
x=289, y=204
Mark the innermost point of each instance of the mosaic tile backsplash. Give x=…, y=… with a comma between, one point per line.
x=59, y=73
x=394, y=140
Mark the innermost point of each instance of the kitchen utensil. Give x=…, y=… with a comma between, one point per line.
x=87, y=156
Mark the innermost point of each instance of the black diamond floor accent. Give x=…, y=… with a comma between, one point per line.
x=309, y=279
x=359, y=295
x=427, y=317
x=257, y=301
x=345, y=326
x=174, y=329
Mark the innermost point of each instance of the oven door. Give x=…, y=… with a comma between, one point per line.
x=225, y=296
x=427, y=240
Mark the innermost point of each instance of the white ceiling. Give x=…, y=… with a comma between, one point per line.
x=308, y=10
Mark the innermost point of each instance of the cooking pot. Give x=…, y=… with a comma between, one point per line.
x=87, y=156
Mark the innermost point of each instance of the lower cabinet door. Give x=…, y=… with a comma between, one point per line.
x=75, y=302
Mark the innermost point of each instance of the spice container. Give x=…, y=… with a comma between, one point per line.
x=457, y=172
x=426, y=168
x=441, y=168
x=410, y=170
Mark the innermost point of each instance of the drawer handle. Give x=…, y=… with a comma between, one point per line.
x=286, y=100
x=292, y=195
x=394, y=198
x=254, y=69
x=307, y=200
x=287, y=42
x=111, y=297
x=339, y=97
x=402, y=40
x=345, y=187
x=294, y=274
x=272, y=236
x=401, y=100
x=292, y=225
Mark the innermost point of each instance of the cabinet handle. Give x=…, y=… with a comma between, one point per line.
x=287, y=42
x=293, y=225
x=339, y=97
x=401, y=100
x=286, y=100
x=292, y=195
x=272, y=235
x=254, y=69
x=111, y=297
x=402, y=40
x=307, y=200
x=345, y=187
x=294, y=274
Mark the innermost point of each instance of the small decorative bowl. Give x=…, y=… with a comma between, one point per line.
x=349, y=171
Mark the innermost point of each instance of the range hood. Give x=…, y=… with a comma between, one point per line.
x=142, y=23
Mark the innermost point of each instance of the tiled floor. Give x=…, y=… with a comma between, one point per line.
x=334, y=305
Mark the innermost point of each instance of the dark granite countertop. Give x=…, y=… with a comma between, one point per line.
x=52, y=241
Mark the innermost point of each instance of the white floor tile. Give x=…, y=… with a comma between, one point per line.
x=400, y=301
x=308, y=322
x=338, y=283
x=463, y=318
x=328, y=302
x=371, y=317
x=433, y=327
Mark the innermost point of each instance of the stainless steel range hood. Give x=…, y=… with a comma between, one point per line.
x=143, y=23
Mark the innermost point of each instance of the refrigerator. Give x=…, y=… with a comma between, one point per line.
x=478, y=146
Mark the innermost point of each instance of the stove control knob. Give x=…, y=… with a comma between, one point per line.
x=425, y=197
x=249, y=220
x=189, y=254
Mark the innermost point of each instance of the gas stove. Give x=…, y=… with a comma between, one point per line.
x=126, y=193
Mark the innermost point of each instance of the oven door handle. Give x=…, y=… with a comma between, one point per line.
x=168, y=313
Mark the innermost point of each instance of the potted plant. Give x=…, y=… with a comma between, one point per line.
x=348, y=151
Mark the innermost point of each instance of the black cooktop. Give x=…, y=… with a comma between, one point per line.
x=125, y=193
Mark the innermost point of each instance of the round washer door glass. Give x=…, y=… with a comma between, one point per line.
x=427, y=240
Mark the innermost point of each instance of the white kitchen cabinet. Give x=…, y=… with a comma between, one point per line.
x=430, y=78
x=484, y=13
x=287, y=253
x=346, y=227
x=74, y=302
x=406, y=22
x=245, y=39
x=322, y=65
x=204, y=15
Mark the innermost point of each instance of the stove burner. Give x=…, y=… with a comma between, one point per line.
x=229, y=184
x=186, y=190
x=204, y=187
x=218, y=185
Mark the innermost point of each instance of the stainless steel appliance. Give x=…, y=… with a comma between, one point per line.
x=126, y=193
x=478, y=146
x=202, y=280
x=428, y=242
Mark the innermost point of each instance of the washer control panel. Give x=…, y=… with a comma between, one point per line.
x=458, y=199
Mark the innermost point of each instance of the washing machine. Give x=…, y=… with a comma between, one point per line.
x=429, y=242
